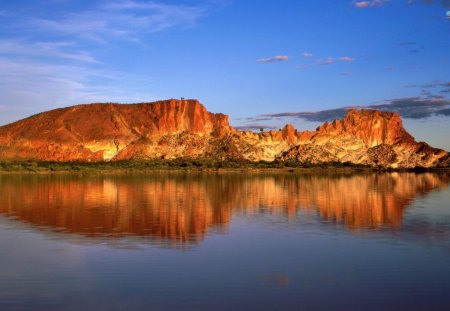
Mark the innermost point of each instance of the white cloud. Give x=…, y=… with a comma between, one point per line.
x=51, y=61
x=369, y=3
x=346, y=59
x=361, y=4
x=278, y=58
x=65, y=50
x=332, y=60
x=122, y=19
x=307, y=54
x=28, y=87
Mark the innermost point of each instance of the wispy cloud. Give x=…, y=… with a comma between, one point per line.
x=446, y=89
x=433, y=84
x=431, y=89
x=278, y=58
x=416, y=107
x=65, y=50
x=332, y=60
x=346, y=59
x=317, y=116
x=371, y=3
x=307, y=54
x=43, y=86
x=255, y=127
x=327, y=61
x=409, y=108
x=361, y=4
x=122, y=19
x=48, y=61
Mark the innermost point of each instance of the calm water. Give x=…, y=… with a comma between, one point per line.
x=225, y=242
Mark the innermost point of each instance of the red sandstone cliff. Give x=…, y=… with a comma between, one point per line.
x=100, y=132
x=173, y=128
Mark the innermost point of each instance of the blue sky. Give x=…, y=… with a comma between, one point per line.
x=264, y=63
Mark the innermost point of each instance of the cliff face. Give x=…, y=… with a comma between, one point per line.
x=174, y=128
x=368, y=137
x=100, y=132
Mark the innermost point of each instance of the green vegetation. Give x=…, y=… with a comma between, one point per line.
x=176, y=164
x=186, y=164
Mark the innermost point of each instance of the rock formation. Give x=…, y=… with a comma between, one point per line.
x=104, y=132
x=369, y=137
x=184, y=128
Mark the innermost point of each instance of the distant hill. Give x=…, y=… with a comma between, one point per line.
x=184, y=128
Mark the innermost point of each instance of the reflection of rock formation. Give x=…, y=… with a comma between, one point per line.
x=368, y=201
x=183, y=207
x=166, y=208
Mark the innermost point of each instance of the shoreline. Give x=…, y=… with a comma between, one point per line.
x=192, y=166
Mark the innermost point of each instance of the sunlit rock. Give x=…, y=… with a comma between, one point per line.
x=184, y=128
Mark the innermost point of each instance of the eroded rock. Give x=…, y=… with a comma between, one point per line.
x=184, y=128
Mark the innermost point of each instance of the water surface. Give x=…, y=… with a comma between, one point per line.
x=234, y=241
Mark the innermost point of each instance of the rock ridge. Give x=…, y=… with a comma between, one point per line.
x=172, y=128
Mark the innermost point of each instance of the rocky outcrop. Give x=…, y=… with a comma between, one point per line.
x=184, y=128
x=368, y=137
x=104, y=132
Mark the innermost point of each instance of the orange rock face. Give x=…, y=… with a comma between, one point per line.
x=99, y=132
x=373, y=127
x=369, y=137
x=184, y=128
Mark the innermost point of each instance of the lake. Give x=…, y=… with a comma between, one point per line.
x=228, y=241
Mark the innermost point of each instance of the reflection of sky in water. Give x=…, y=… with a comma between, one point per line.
x=266, y=256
